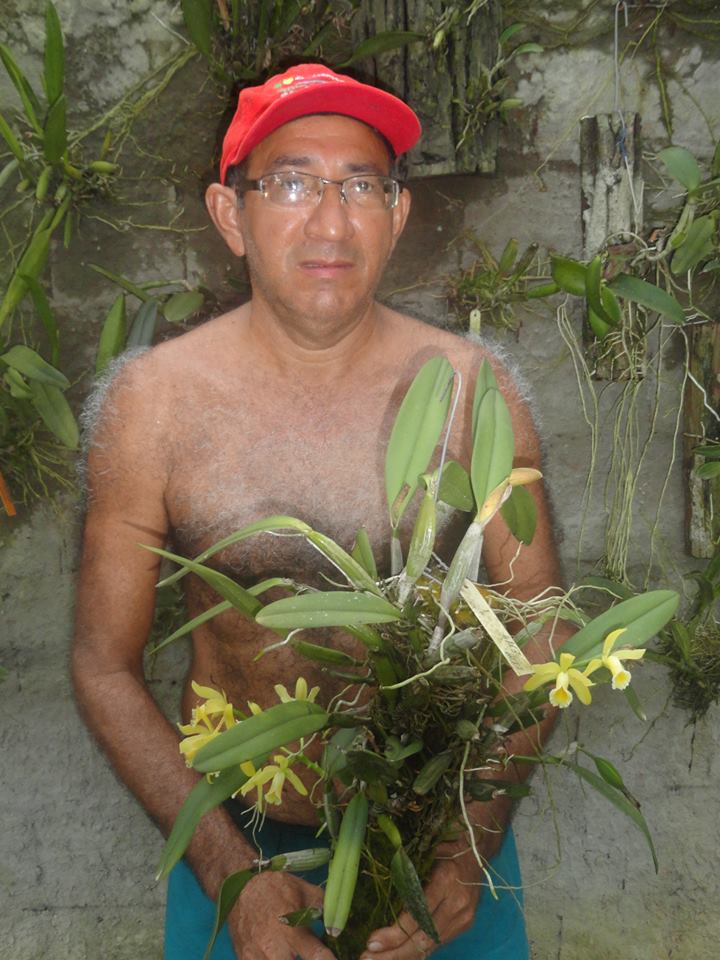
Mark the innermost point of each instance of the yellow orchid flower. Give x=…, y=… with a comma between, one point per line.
x=613, y=661
x=278, y=772
x=202, y=728
x=565, y=676
x=301, y=691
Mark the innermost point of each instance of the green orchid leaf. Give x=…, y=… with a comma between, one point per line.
x=416, y=433
x=710, y=451
x=598, y=326
x=260, y=734
x=29, y=100
x=508, y=256
x=183, y=305
x=31, y=265
x=382, y=43
x=54, y=55
x=238, y=596
x=493, y=446
x=17, y=385
x=682, y=166
x=11, y=140
x=50, y=403
x=112, y=335
x=593, y=290
x=509, y=32
x=697, y=245
x=618, y=800
x=642, y=616
x=569, y=275
x=192, y=624
x=520, y=514
x=356, y=574
x=455, y=488
x=485, y=381
x=332, y=608
x=634, y=702
x=407, y=883
x=232, y=886
x=396, y=751
x=619, y=590
x=199, y=24
x=267, y=525
x=42, y=306
x=650, y=296
x=334, y=757
x=123, y=282
x=370, y=767
x=142, y=331
x=203, y=798
x=362, y=553
x=55, y=132
x=525, y=48
x=708, y=470
x=32, y=365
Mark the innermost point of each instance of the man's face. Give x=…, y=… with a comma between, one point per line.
x=317, y=268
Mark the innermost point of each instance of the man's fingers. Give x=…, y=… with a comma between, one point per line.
x=309, y=947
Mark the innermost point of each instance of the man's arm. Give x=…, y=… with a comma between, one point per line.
x=454, y=888
x=127, y=477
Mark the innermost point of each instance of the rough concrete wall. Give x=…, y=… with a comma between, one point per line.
x=76, y=854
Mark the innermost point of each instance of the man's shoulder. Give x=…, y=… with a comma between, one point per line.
x=465, y=351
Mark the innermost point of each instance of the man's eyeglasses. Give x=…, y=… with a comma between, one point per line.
x=303, y=190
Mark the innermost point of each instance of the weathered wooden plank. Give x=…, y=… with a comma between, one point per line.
x=701, y=424
x=441, y=85
x=611, y=207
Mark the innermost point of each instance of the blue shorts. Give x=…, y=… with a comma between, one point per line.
x=497, y=934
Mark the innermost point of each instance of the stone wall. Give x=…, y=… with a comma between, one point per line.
x=77, y=855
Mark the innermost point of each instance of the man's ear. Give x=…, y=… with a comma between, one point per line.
x=400, y=214
x=226, y=214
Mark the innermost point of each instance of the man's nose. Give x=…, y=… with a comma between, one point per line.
x=330, y=218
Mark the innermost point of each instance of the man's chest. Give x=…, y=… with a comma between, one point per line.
x=319, y=459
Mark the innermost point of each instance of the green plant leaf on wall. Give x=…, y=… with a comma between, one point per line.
x=31, y=264
x=199, y=24
x=54, y=55
x=50, y=403
x=520, y=514
x=682, y=166
x=17, y=385
x=362, y=553
x=485, y=381
x=55, y=132
x=382, y=43
x=182, y=305
x=42, y=306
x=31, y=364
x=143, y=326
x=29, y=100
x=593, y=290
x=697, y=245
x=112, y=336
x=11, y=140
x=650, y=296
x=708, y=470
x=569, y=275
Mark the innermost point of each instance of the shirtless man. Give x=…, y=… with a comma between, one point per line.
x=282, y=405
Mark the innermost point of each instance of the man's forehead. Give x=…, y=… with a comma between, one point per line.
x=296, y=143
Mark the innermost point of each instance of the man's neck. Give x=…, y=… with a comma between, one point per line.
x=322, y=352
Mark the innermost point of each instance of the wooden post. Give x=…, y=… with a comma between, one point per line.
x=701, y=425
x=611, y=205
x=441, y=85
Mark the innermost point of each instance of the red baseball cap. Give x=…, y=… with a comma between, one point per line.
x=314, y=88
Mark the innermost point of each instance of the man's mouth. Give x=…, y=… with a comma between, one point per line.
x=326, y=268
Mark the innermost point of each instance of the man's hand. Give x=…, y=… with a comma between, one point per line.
x=258, y=933
x=452, y=895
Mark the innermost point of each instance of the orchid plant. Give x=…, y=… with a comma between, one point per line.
x=398, y=768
